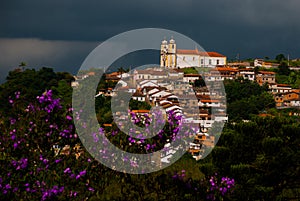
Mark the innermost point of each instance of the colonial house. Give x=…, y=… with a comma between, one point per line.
x=139, y=96
x=190, y=78
x=113, y=77
x=295, y=102
x=209, y=103
x=287, y=99
x=264, y=64
x=150, y=74
x=263, y=77
x=280, y=88
x=227, y=73
x=247, y=74
x=221, y=73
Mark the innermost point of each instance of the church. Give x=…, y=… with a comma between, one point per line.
x=172, y=57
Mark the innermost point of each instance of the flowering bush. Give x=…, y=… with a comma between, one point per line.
x=36, y=144
x=42, y=157
x=219, y=188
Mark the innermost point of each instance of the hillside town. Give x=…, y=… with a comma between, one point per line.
x=190, y=78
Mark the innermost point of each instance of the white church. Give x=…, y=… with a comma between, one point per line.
x=172, y=57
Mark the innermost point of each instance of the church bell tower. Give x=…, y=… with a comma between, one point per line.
x=168, y=54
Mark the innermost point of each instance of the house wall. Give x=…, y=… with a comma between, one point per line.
x=188, y=60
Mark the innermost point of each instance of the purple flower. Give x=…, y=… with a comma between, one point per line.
x=21, y=164
x=67, y=170
x=13, y=137
x=45, y=161
x=91, y=189
x=82, y=173
x=12, y=121
x=125, y=158
x=17, y=94
x=73, y=194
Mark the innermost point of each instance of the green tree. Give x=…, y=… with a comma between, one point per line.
x=283, y=69
x=22, y=65
x=263, y=157
x=280, y=57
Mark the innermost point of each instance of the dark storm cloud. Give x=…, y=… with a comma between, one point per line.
x=36, y=53
x=97, y=20
x=251, y=28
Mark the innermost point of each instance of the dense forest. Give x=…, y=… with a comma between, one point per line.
x=42, y=158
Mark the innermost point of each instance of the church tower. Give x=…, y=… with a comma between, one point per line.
x=172, y=54
x=168, y=54
x=163, y=53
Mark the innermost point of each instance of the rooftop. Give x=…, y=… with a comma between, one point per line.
x=197, y=52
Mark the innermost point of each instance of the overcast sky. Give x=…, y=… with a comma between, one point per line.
x=60, y=34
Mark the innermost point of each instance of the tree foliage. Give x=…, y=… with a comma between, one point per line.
x=263, y=157
x=245, y=98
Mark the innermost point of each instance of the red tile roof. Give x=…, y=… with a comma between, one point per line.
x=265, y=115
x=197, y=52
x=215, y=54
x=283, y=85
x=140, y=111
x=210, y=101
x=181, y=51
x=227, y=69
x=267, y=72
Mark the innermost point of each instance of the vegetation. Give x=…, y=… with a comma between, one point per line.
x=292, y=78
x=262, y=156
x=191, y=70
x=255, y=160
x=245, y=98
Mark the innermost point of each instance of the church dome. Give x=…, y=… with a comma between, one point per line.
x=172, y=41
x=164, y=42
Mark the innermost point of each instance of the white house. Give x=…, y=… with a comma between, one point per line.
x=280, y=88
x=247, y=74
x=209, y=103
x=139, y=96
x=295, y=103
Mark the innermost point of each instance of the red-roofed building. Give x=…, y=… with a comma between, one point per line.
x=182, y=58
x=263, y=77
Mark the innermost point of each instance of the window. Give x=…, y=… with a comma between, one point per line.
x=217, y=61
x=202, y=61
x=183, y=58
x=209, y=62
x=193, y=58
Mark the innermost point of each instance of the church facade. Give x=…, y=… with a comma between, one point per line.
x=172, y=57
